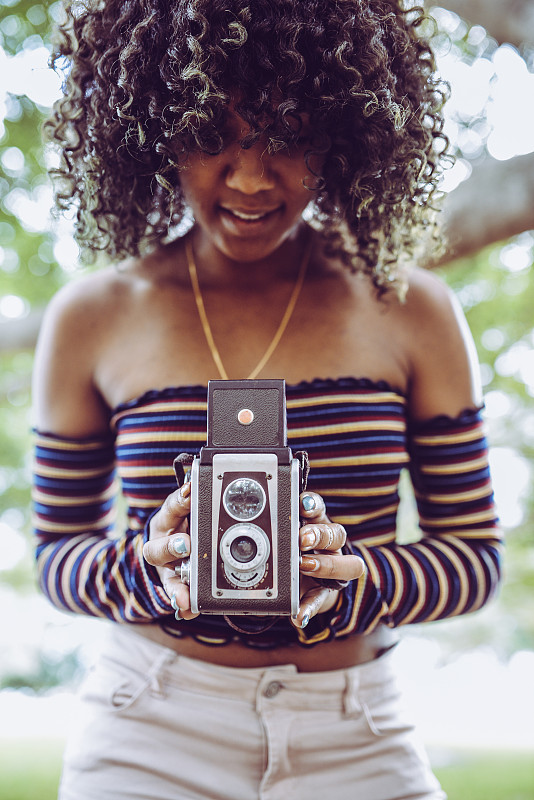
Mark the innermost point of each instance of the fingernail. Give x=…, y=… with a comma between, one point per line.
x=174, y=604
x=178, y=546
x=308, y=502
x=309, y=564
x=305, y=620
x=311, y=538
x=185, y=490
x=177, y=615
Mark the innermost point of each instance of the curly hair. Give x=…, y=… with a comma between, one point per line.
x=150, y=81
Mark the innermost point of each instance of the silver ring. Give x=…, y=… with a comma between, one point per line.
x=344, y=542
x=176, y=607
x=330, y=537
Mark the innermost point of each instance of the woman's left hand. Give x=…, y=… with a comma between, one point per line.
x=321, y=541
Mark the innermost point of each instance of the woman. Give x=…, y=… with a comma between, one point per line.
x=197, y=137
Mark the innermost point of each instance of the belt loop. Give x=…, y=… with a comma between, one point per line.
x=122, y=697
x=156, y=672
x=351, y=704
x=260, y=687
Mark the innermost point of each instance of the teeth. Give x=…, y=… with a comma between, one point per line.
x=249, y=217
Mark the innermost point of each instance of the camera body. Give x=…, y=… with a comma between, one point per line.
x=244, y=522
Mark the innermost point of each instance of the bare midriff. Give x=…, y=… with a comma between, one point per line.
x=336, y=654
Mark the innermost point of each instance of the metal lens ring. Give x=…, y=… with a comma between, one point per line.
x=244, y=547
x=244, y=499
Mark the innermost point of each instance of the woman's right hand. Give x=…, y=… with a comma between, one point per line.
x=169, y=544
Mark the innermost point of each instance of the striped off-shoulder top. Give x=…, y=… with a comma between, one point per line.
x=359, y=442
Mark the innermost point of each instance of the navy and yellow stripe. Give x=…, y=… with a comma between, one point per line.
x=358, y=440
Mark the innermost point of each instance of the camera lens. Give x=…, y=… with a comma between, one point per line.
x=243, y=549
x=244, y=499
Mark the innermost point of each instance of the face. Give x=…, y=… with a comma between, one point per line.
x=246, y=203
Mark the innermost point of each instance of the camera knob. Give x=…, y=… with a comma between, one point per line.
x=245, y=416
x=182, y=571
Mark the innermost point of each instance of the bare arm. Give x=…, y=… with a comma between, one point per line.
x=65, y=399
x=443, y=363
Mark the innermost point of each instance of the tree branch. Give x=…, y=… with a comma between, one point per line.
x=506, y=20
x=496, y=202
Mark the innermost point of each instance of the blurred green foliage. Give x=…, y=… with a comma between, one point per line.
x=495, y=287
x=31, y=770
x=28, y=268
x=496, y=290
x=27, y=251
x=489, y=776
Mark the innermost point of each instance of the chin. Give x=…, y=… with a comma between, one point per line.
x=249, y=251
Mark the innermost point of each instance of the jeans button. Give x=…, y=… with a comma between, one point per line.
x=272, y=689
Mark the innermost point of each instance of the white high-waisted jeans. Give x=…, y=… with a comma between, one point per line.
x=158, y=726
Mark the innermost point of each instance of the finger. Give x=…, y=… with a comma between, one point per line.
x=315, y=601
x=167, y=549
x=335, y=565
x=173, y=513
x=312, y=507
x=331, y=536
x=179, y=596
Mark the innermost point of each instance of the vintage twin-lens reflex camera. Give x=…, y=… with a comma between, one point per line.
x=245, y=488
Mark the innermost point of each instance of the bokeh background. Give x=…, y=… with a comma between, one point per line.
x=469, y=681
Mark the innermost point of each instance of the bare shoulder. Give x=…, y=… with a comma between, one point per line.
x=429, y=295
x=77, y=322
x=431, y=310
x=89, y=335
x=88, y=297
x=100, y=299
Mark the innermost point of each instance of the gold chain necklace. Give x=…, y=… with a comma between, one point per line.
x=206, y=325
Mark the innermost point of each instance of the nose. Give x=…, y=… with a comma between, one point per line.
x=250, y=171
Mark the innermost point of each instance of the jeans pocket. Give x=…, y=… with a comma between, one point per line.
x=385, y=713
x=117, y=687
